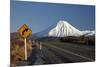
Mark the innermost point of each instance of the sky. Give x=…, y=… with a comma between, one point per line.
x=39, y=16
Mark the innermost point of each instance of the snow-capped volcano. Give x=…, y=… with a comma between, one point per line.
x=63, y=28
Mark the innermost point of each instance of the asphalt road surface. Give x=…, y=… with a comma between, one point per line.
x=69, y=52
x=59, y=52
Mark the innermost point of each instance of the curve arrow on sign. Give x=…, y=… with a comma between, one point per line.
x=25, y=30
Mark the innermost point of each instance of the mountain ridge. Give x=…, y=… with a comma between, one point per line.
x=62, y=29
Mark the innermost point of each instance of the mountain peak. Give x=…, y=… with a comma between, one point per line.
x=63, y=28
x=63, y=22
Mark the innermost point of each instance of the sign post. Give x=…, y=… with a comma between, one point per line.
x=25, y=49
x=24, y=31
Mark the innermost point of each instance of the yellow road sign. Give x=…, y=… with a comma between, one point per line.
x=24, y=31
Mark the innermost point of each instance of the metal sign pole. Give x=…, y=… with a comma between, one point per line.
x=25, y=49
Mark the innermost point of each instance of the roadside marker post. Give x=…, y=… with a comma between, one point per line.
x=25, y=31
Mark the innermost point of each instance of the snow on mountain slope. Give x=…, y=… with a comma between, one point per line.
x=63, y=28
x=88, y=33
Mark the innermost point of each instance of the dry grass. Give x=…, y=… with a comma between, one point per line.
x=17, y=50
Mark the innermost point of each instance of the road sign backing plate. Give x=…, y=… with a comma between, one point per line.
x=24, y=31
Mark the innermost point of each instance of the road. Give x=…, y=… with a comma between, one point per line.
x=58, y=52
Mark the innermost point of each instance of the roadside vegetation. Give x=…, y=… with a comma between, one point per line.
x=90, y=40
x=17, y=52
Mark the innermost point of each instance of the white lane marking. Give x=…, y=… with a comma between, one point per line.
x=70, y=52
